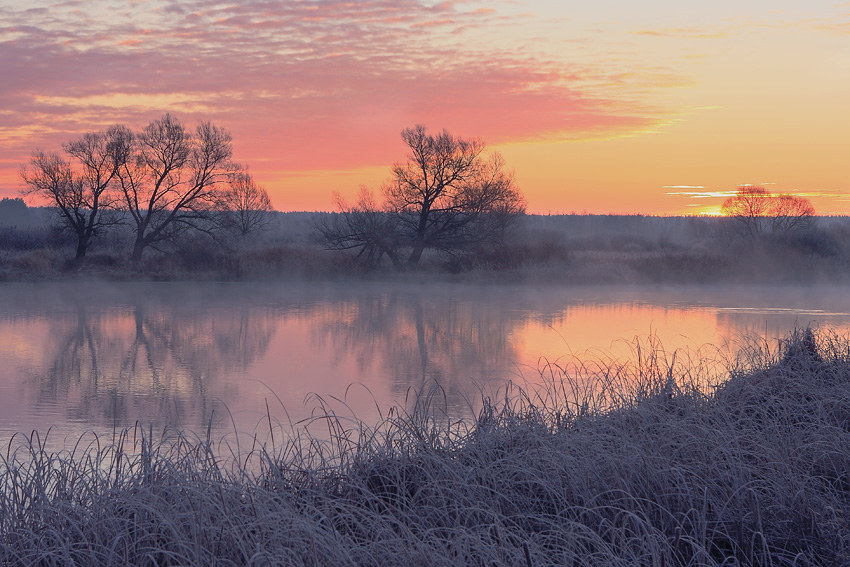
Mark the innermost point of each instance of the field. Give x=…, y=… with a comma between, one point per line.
x=645, y=464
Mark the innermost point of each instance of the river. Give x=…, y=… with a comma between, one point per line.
x=78, y=357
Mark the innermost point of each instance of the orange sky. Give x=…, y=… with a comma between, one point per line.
x=658, y=107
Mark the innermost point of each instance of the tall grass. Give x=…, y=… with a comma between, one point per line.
x=639, y=465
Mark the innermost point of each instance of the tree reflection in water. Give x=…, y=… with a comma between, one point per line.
x=149, y=360
x=82, y=356
x=423, y=340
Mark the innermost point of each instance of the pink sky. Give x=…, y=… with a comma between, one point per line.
x=656, y=108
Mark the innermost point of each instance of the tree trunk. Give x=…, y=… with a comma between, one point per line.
x=82, y=246
x=138, y=248
x=396, y=261
x=419, y=242
x=415, y=254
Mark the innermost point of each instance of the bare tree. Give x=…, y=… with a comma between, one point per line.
x=364, y=227
x=447, y=196
x=243, y=206
x=80, y=195
x=760, y=212
x=446, y=190
x=749, y=206
x=791, y=214
x=170, y=184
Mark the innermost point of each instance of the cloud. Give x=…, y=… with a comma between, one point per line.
x=698, y=194
x=840, y=28
x=824, y=198
x=308, y=84
x=688, y=32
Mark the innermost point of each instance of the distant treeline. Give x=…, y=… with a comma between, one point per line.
x=563, y=248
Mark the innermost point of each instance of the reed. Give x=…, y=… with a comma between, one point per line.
x=608, y=465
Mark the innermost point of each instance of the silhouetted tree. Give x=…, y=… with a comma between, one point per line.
x=760, y=212
x=79, y=192
x=791, y=214
x=749, y=206
x=169, y=185
x=242, y=205
x=364, y=227
x=447, y=196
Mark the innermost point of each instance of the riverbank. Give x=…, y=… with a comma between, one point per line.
x=565, y=249
x=763, y=264
x=613, y=467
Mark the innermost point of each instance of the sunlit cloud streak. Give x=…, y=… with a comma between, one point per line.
x=701, y=194
x=717, y=197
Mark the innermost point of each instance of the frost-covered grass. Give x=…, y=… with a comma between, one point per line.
x=615, y=466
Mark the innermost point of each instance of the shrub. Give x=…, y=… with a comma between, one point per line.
x=38, y=262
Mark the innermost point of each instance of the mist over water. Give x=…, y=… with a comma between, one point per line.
x=82, y=356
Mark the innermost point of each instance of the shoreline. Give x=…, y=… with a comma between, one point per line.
x=649, y=468
x=581, y=268
x=568, y=249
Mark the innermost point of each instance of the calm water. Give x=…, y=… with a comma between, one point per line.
x=77, y=357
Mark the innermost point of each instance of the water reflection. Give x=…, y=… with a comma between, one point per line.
x=419, y=340
x=86, y=356
x=169, y=361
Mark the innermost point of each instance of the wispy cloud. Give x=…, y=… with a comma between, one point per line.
x=688, y=32
x=311, y=83
x=834, y=27
x=700, y=194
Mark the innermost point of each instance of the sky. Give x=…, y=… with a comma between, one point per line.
x=615, y=106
